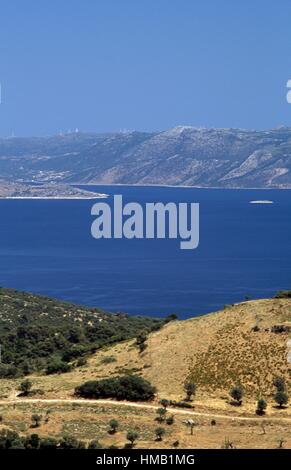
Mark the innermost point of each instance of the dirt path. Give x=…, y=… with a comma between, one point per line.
x=187, y=412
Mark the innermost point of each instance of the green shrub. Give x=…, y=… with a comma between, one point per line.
x=9, y=371
x=113, y=423
x=161, y=412
x=48, y=443
x=94, y=445
x=57, y=367
x=69, y=442
x=283, y=294
x=281, y=398
x=261, y=406
x=128, y=387
x=8, y=439
x=32, y=442
x=160, y=432
x=25, y=387
x=279, y=383
x=36, y=419
x=237, y=394
x=164, y=402
x=132, y=436
x=180, y=404
x=190, y=389
x=170, y=420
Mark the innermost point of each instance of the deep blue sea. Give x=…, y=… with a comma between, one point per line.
x=46, y=247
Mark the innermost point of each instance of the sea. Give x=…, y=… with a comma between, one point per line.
x=46, y=248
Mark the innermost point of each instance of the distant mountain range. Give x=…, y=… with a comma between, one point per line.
x=230, y=158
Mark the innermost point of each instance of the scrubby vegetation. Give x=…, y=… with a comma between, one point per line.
x=283, y=294
x=236, y=394
x=41, y=333
x=25, y=387
x=113, y=424
x=11, y=440
x=132, y=436
x=128, y=387
x=160, y=432
x=261, y=407
x=281, y=396
x=190, y=389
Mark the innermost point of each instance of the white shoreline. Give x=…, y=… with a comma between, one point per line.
x=63, y=198
x=177, y=186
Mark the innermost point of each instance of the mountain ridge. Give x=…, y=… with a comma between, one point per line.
x=181, y=156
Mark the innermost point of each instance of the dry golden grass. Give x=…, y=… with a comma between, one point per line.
x=88, y=422
x=216, y=350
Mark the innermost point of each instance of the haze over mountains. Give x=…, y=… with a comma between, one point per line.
x=225, y=158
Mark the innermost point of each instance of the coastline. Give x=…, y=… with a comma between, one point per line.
x=176, y=186
x=62, y=198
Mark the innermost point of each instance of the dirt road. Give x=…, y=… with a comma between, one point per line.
x=187, y=412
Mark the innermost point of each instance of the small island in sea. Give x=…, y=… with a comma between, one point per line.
x=262, y=202
x=12, y=190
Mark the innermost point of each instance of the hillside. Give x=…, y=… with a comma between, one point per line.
x=184, y=155
x=218, y=350
x=35, y=330
x=244, y=343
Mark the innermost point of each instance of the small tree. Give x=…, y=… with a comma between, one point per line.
x=142, y=337
x=70, y=442
x=113, y=423
x=190, y=389
x=132, y=436
x=36, y=419
x=141, y=341
x=261, y=407
x=164, y=402
x=281, y=398
x=161, y=412
x=25, y=387
x=142, y=347
x=94, y=445
x=32, y=442
x=237, y=394
x=279, y=383
x=160, y=432
x=171, y=317
x=34, y=439
x=170, y=420
x=48, y=443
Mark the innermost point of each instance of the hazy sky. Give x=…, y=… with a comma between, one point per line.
x=105, y=65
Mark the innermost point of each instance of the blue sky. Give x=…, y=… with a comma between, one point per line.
x=105, y=65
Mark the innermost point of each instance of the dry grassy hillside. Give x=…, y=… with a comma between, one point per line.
x=216, y=350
